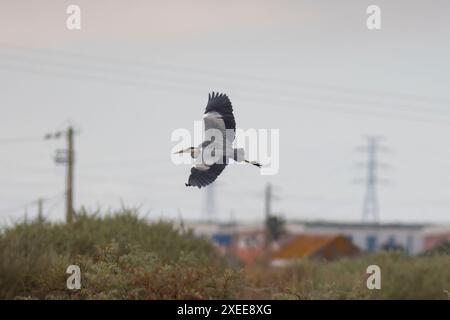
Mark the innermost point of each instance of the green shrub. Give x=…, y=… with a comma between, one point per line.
x=121, y=257
x=124, y=257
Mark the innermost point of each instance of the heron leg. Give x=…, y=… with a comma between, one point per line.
x=255, y=163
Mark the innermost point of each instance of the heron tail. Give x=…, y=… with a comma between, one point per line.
x=238, y=155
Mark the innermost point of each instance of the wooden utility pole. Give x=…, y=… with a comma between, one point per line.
x=268, y=214
x=66, y=157
x=268, y=201
x=69, y=178
x=40, y=209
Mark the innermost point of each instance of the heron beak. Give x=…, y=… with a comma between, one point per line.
x=182, y=151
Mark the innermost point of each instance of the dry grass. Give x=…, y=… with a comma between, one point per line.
x=402, y=277
x=123, y=257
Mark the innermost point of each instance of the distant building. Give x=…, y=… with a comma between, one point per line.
x=323, y=247
x=223, y=241
x=248, y=246
x=435, y=236
x=368, y=237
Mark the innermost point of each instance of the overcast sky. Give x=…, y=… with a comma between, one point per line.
x=138, y=70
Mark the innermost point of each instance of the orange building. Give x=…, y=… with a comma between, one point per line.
x=324, y=247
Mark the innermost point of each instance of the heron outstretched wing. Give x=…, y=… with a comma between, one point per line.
x=219, y=116
x=203, y=175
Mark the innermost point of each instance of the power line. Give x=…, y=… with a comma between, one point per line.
x=201, y=71
x=27, y=204
x=20, y=140
x=19, y=207
x=55, y=204
x=311, y=104
x=296, y=103
x=171, y=81
x=122, y=162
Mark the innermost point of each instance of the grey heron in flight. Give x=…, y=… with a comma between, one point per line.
x=213, y=154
